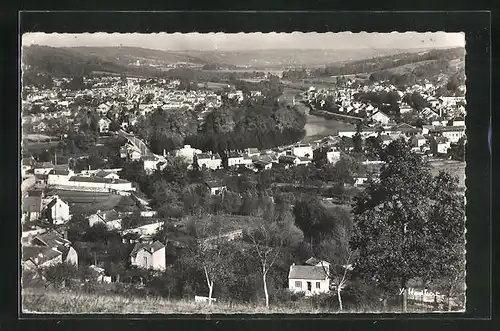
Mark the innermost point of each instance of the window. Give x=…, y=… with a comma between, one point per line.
x=145, y=260
x=318, y=285
x=298, y=284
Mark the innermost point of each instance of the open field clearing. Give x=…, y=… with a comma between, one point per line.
x=70, y=302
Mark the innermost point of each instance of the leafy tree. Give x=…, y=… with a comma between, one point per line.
x=357, y=140
x=310, y=216
x=457, y=150
x=60, y=274
x=114, y=126
x=212, y=256
x=132, y=220
x=406, y=224
x=373, y=147
x=346, y=168
x=338, y=253
x=196, y=198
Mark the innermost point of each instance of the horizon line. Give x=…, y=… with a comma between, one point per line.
x=250, y=49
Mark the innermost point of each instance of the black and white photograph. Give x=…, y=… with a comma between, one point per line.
x=243, y=173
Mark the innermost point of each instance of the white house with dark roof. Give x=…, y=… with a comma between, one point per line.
x=453, y=133
x=215, y=187
x=210, y=161
x=56, y=210
x=149, y=255
x=309, y=279
x=380, y=117
x=234, y=159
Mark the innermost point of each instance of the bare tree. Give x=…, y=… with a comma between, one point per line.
x=212, y=256
x=267, y=247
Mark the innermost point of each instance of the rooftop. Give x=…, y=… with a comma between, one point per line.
x=97, y=180
x=307, y=272
x=149, y=247
x=51, y=239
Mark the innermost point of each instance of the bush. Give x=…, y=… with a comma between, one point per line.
x=285, y=296
x=325, y=300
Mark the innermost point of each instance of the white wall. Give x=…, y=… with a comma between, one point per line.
x=155, y=260
x=60, y=212
x=453, y=136
x=159, y=259
x=72, y=257
x=303, y=151
x=324, y=286
x=234, y=161
x=58, y=179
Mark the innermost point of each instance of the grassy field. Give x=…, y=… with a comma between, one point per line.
x=71, y=302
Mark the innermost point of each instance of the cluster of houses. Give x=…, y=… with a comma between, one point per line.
x=442, y=107
x=137, y=96
x=433, y=139
x=252, y=158
x=44, y=248
x=62, y=177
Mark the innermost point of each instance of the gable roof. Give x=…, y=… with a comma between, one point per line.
x=234, y=155
x=108, y=215
x=39, y=255
x=97, y=180
x=312, y=261
x=381, y=113
x=288, y=158
x=148, y=247
x=51, y=239
x=214, y=184
x=53, y=202
x=307, y=272
x=404, y=127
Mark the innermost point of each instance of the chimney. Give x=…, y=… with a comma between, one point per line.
x=164, y=152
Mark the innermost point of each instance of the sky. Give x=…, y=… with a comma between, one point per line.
x=251, y=41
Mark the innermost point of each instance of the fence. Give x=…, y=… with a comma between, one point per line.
x=203, y=299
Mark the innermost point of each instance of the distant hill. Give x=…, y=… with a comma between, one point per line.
x=128, y=55
x=278, y=58
x=66, y=62
x=75, y=61
x=387, y=62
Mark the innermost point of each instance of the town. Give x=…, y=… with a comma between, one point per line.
x=179, y=188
